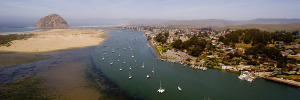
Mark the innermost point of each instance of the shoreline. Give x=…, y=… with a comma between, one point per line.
x=54, y=40
x=273, y=79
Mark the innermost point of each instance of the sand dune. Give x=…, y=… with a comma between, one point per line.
x=57, y=39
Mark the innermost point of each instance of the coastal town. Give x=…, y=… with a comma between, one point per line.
x=271, y=58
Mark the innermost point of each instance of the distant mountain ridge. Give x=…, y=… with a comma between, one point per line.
x=18, y=22
x=213, y=22
x=273, y=21
x=265, y=27
x=52, y=21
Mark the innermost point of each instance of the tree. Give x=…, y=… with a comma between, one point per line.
x=161, y=38
x=221, y=39
x=177, y=44
x=166, y=34
x=230, y=55
x=195, y=51
x=194, y=45
x=176, y=33
x=253, y=63
x=295, y=33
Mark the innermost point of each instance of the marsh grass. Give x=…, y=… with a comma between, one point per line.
x=5, y=40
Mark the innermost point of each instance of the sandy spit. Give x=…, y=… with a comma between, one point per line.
x=56, y=40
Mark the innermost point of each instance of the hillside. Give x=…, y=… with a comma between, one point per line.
x=265, y=27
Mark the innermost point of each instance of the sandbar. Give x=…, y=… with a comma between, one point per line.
x=56, y=40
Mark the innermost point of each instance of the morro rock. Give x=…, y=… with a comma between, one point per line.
x=52, y=21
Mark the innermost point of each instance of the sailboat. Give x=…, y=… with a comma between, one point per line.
x=153, y=70
x=130, y=76
x=120, y=68
x=160, y=90
x=179, y=88
x=148, y=76
x=143, y=65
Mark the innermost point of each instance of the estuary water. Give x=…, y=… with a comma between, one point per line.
x=212, y=84
x=16, y=30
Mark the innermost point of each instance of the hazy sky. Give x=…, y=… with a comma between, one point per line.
x=153, y=9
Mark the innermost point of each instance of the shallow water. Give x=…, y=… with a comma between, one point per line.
x=16, y=30
x=212, y=84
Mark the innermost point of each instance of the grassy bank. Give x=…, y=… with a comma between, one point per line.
x=5, y=40
x=156, y=50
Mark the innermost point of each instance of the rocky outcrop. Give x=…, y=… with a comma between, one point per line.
x=52, y=21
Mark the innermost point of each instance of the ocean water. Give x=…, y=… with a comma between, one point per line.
x=17, y=30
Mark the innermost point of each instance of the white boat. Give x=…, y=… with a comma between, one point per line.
x=148, y=76
x=124, y=48
x=118, y=60
x=143, y=65
x=130, y=68
x=119, y=55
x=179, y=88
x=160, y=90
x=111, y=63
x=112, y=51
x=132, y=56
x=245, y=75
x=203, y=68
x=130, y=76
x=120, y=68
x=124, y=62
x=103, y=58
x=153, y=70
x=250, y=79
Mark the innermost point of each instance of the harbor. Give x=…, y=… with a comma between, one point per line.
x=211, y=83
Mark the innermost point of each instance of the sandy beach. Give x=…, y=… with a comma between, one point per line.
x=56, y=40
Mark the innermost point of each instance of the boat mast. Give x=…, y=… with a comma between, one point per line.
x=160, y=84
